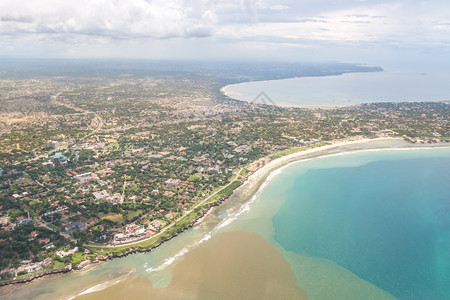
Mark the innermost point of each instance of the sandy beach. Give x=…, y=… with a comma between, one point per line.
x=347, y=89
x=243, y=196
x=196, y=258
x=255, y=180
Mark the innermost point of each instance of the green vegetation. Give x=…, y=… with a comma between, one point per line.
x=295, y=150
x=116, y=218
x=160, y=147
x=195, y=177
x=58, y=264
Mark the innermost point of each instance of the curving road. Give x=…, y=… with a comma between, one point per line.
x=177, y=220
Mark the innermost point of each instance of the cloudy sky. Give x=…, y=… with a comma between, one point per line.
x=368, y=31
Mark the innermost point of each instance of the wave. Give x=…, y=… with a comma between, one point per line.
x=225, y=222
x=222, y=224
x=247, y=205
x=101, y=286
x=344, y=153
x=167, y=262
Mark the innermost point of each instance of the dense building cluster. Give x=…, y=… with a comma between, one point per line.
x=92, y=161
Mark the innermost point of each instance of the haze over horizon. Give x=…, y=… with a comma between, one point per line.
x=366, y=31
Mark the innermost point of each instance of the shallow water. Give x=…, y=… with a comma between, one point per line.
x=385, y=221
x=236, y=265
x=307, y=232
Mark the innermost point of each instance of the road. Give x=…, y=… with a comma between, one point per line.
x=177, y=220
x=97, y=129
x=42, y=223
x=83, y=111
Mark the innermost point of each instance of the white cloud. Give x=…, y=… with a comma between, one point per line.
x=278, y=7
x=120, y=18
x=250, y=6
x=264, y=24
x=393, y=24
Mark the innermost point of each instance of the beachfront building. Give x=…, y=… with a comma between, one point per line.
x=134, y=232
x=46, y=262
x=67, y=253
x=29, y=268
x=33, y=267
x=156, y=224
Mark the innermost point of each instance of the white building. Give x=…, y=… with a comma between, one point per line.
x=48, y=165
x=102, y=195
x=30, y=268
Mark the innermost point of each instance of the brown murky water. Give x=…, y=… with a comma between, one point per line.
x=236, y=265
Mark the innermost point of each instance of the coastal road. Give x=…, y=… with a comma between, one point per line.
x=177, y=220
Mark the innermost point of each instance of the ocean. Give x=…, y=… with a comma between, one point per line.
x=362, y=224
x=391, y=85
x=387, y=221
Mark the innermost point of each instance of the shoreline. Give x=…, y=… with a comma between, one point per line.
x=247, y=96
x=250, y=186
x=238, y=96
x=257, y=178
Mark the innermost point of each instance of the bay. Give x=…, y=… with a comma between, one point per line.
x=313, y=243
x=391, y=85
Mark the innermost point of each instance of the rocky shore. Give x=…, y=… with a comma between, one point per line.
x=246, y=188
x=65, y=269
x=129, y=251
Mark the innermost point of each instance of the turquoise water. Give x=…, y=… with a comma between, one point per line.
x=387, y=220
x=361, y=225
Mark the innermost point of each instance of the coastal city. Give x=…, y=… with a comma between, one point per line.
x=231, y=149
x=97, y=167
